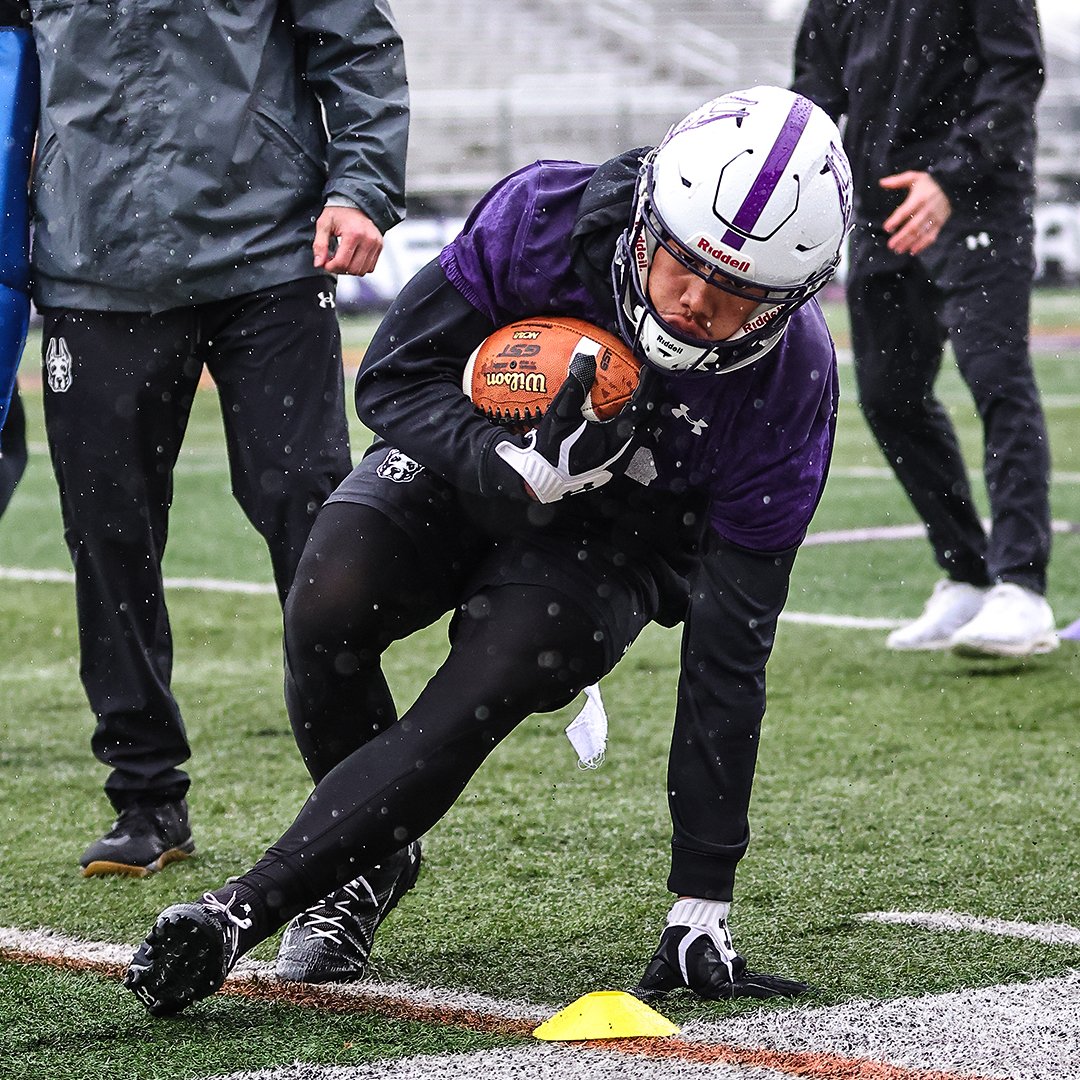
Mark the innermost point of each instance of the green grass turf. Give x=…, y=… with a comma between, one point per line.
x=885, y=782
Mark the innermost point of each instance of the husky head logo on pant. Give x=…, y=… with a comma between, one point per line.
x=58, y=365
x=399, y=467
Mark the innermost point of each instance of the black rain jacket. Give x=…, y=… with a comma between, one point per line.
x=185, y=149
x=942, y=86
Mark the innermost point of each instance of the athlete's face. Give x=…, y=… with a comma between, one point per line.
x=689, y=304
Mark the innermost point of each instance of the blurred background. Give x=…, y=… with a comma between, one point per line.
x=498, y=83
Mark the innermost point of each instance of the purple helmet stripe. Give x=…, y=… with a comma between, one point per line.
x=769, y=176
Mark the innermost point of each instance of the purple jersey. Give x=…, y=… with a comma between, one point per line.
x=755, y=442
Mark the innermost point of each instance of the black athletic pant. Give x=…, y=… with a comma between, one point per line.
x=972, y=288
x=384, y=780
x=118, y=391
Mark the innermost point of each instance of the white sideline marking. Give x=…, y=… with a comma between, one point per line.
x=898, y=532
x=883, y=472
x=544, y=1061
x=1047, y=933
x=1014, y=1031
x=813, y=539
x=66, y=577
x=862, y=536
x=48, y=943
x=846, y=622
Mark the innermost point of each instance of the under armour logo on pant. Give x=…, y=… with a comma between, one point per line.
x=326, y=300
x=976, y=240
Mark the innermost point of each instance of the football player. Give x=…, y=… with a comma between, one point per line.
x=553, y=549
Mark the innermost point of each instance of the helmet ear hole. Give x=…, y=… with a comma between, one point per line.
x=771, y=232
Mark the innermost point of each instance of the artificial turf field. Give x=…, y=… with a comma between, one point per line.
x=886, y=783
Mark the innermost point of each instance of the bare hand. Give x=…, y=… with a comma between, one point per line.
x=915, y=224
x=359, y=241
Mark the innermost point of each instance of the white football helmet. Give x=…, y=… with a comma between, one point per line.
x=751, y=192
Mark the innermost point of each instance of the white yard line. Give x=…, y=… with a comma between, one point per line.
x=883, y=472
x=50, y=944
x=1015, y=1031
x=897, y=532
x=1047, y=933
x=66, y=577
x=544, y=1061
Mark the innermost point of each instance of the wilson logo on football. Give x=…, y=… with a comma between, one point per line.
x=529, y=382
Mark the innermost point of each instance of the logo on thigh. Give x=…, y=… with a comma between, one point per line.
x=58, y=365
x=399, y=467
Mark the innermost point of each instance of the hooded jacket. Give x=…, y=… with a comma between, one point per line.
x=185, y=149
x=18, y=112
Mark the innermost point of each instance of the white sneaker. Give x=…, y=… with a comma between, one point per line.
x=951, y=605
x=1014, y=621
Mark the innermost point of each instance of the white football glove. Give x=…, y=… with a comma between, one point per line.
x=696, y=953
x=567, y=454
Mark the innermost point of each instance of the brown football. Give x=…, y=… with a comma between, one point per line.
x=512, y=375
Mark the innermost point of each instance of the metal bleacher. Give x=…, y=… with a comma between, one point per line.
x=1058, y=166
x=498, y=83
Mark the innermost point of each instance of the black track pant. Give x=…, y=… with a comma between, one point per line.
x=383, y=780
x=118, y=391
x=975, y=292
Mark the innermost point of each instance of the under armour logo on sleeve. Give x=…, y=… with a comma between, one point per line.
x=683, y=411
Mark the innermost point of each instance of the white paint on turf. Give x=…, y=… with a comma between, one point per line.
x=1047, y=933
x=66, y=577
x=540, y=1062
x=1019, y=1031
x=49, y=944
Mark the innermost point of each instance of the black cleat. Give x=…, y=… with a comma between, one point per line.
x=144, y=839
x=331, y=941
x=186, y=956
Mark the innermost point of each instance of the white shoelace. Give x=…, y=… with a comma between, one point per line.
x=318, y=924
x=214, y=904
x=233, y=924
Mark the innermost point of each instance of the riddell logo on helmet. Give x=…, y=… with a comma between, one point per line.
x=763, y=319
x=721, y=256
x=641, y=253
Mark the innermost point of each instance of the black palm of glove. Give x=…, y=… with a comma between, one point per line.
x=567, y=454
x=689, y=958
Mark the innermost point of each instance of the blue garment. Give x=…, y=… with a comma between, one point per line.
x=18, y=119
x=756, y=442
